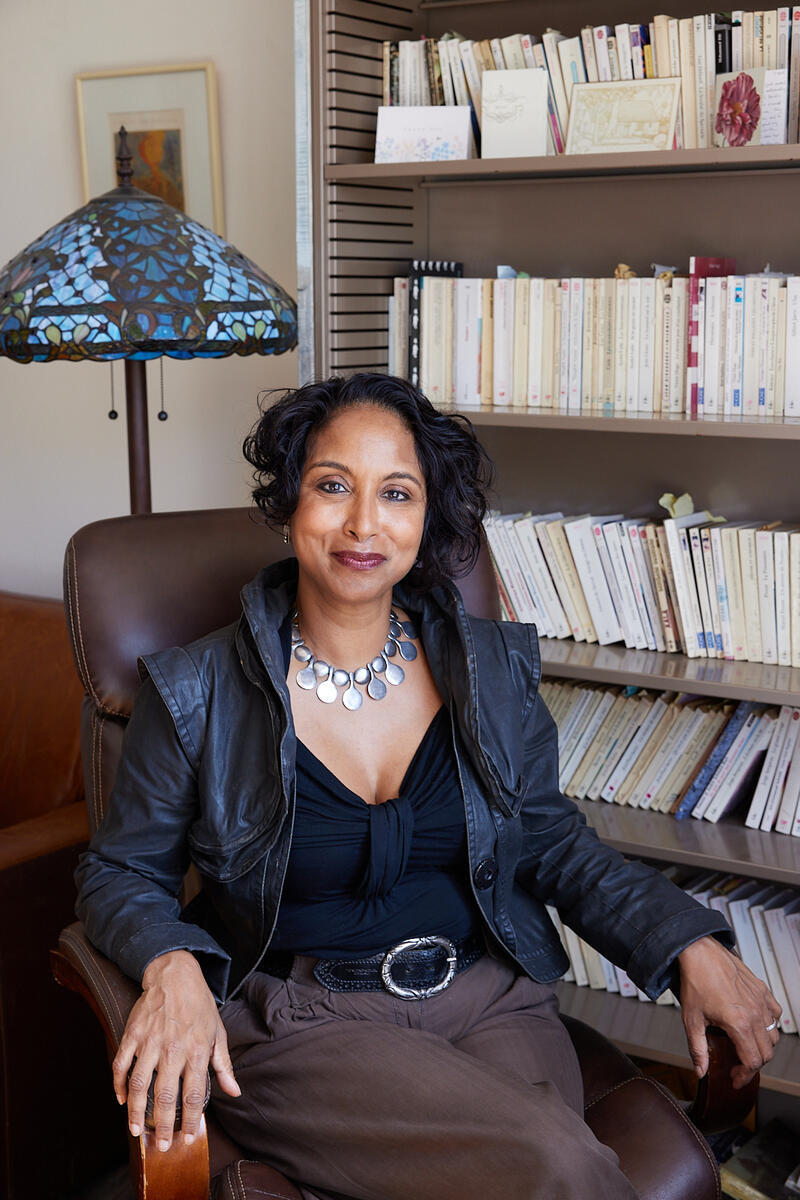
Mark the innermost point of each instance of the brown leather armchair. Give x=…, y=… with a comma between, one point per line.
x=137, y=584
x=43, y=827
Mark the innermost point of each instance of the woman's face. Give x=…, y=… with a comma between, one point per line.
x=359, y=519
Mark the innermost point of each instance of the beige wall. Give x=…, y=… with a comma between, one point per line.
x=62, y=462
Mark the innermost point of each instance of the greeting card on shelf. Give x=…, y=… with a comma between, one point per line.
x=413, y=133
x=514, y=114
x=750, y=108
x=610, y=118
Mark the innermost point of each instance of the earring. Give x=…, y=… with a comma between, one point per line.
x=286, y=535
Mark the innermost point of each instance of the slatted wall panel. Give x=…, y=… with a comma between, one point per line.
x=355, y=33
x=371, y=236
x=370, y=232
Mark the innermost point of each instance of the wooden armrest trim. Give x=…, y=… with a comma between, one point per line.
x=111, y=994
x=180, y=1173
x=718, y=1105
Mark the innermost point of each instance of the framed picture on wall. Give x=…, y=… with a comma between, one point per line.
x=170, y=114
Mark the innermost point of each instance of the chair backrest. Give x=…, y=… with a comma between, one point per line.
x=40, y=701
x=133, y=585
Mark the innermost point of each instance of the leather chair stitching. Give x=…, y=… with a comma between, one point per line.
x=97, y=730
x=87, y=679
x=701, y=1141
x=70, y=607
x=72, y=577
x=609, y=1091
x=104, y=995
x=100, y=807
x=671, y=1100
x=257, y=1191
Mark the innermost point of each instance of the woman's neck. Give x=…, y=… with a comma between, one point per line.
x=345, y=635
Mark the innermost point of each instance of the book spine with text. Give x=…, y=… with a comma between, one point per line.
x=601, y=35
x=792, y=394
x=576, y=293
x=634, y=344
x=418, y=268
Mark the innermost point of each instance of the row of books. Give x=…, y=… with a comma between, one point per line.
x=725, y=346
x=697, y=50
x=711, y=588
x=764, y=917
x=678, y=753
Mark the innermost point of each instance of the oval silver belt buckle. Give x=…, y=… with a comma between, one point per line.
x=419, y=943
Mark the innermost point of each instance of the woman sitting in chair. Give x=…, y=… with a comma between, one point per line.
x=367, y=782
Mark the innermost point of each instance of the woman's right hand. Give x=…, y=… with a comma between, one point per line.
x=174, y=1029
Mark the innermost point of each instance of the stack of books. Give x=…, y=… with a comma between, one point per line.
x=765, y=918
x=708, y=344
x=708, y=588
x=702, y=51
x=678, y=753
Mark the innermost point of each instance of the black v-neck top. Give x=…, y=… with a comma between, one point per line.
x=362, y=877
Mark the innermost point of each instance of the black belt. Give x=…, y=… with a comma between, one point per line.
x=413, y=969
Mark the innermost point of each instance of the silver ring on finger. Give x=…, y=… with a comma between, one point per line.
x=769, y=1028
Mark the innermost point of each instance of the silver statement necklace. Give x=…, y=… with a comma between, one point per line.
x=326, y=680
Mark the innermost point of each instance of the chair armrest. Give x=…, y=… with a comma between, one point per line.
x=77, y=965
x=45, y=834
x=180, y=1173
x=660, y=1151
x=718, y=1105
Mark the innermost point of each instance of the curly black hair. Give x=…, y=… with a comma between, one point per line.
x=457, y=469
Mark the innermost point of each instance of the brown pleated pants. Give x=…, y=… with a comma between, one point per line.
x=473, y=1094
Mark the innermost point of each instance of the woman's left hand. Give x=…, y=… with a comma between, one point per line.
x=718, y=989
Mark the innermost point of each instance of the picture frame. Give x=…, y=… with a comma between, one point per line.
x=171, y=116
x=612, y=118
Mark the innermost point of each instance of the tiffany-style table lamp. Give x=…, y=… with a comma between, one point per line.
x=129, y=276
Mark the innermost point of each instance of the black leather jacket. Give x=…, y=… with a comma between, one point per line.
x=207, y=777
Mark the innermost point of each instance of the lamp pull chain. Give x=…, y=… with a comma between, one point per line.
x=112, y=412
x=162, y=412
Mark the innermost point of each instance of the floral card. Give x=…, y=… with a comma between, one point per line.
x=411, y=133
x=750, y=108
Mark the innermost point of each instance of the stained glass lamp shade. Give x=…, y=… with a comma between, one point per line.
x=129, y=276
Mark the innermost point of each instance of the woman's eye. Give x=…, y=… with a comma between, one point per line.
x=331, y=486
x=395, y=494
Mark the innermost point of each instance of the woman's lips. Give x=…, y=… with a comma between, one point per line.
x=360, y=562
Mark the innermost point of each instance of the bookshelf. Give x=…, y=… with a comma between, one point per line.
x=673, y=162
x=700, y=844
x=656, y=1032
x=617, y=664
x=781, y=428
x=359, y=222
